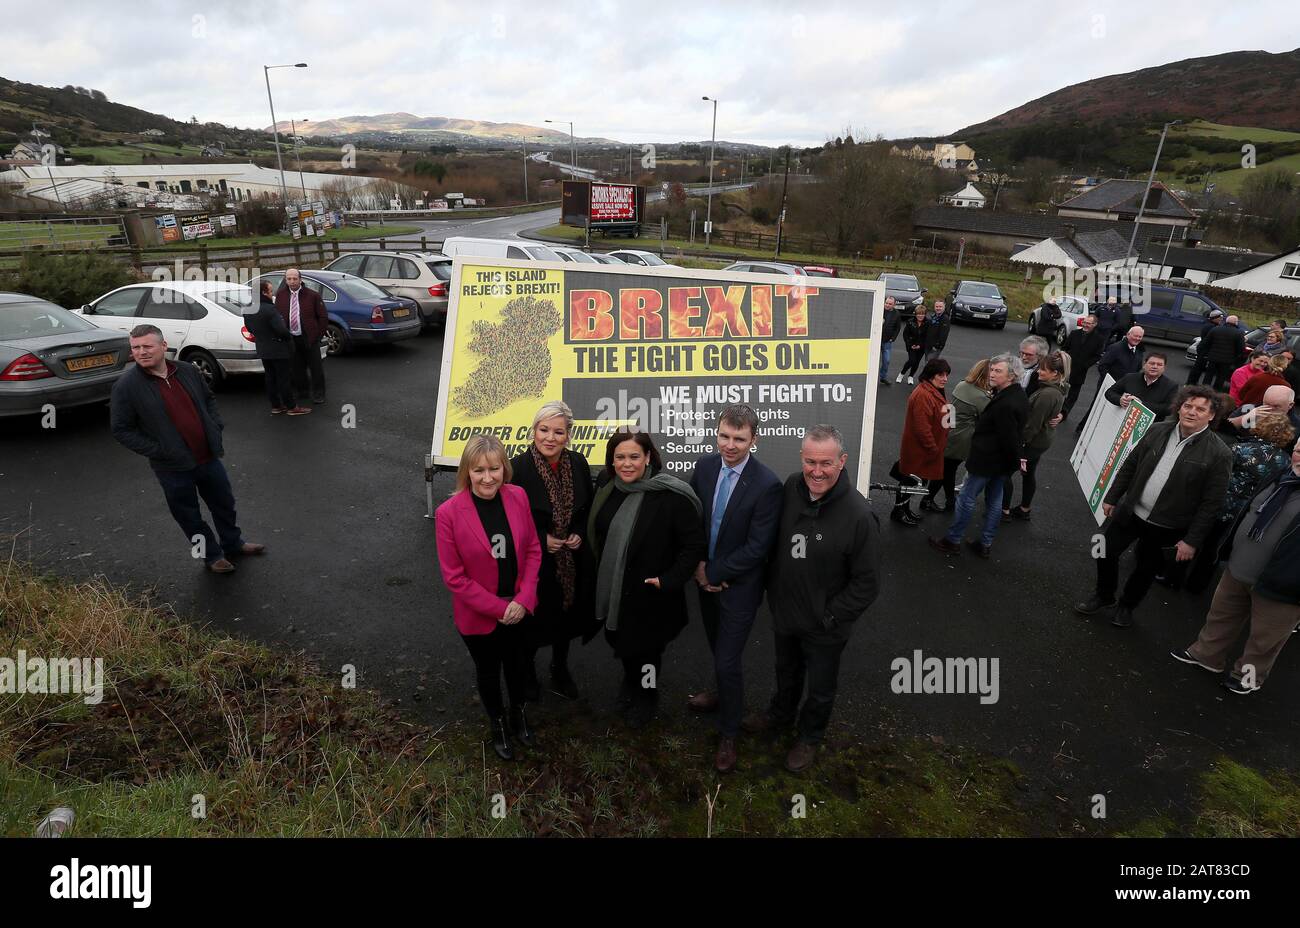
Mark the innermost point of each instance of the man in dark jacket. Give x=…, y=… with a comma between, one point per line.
x=891, y=323
x=303, y=313
x=1166, y=497
x=275, y=348
x=1084, y=346
x=1149, y=386
x=936, y=333
x=1108, y=319
x=825, y=572
x=1048, y=320
x=165, y=411
x=996, y=451
x=742, y=508
x=1120, y=359
x=1260, y=586
x=1224, y=348
x=1201, y=364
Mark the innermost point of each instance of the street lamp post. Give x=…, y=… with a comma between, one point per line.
x=573, y=151
x=275, y=129
x=708, y=210
x=1132, y=239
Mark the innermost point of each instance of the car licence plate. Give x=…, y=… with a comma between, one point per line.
x=981, y=315
x=399, y=313
x=93, y=361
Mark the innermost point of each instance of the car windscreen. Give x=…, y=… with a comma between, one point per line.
x=38, y=318
x=901, y=282
x=581, y=257
x=980, y=291
x=441, y=269
x=360, y=289
x=653, y=260
x=542, y=253
x=235, y=302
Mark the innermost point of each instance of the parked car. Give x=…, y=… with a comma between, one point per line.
x=1167, y=314
x=641, y=258
x=1254, y=338
x=767, y=267
x=601, y=258
x=820, y=270
x=574, y=255
x=904, y=288
x=202, y=322
x=1073, y=309
x=498, y=248
x=50, y=355
x=978, y=302
x=420, y=276
x=360, y=313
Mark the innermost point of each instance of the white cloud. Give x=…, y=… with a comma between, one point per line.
x=635, y=72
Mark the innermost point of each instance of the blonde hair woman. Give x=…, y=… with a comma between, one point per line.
x=558, y=483
x=489, y=556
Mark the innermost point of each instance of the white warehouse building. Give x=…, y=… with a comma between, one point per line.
x=238, y=181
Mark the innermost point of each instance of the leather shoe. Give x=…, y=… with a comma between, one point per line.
x=706, y=701
x=1122, y=617
x=944, y=545
x=249, y=547
x=980, y=548
x=725, y=760
x=800, y=757
x=221, y=566
x=299, y=411
x=1093, y=605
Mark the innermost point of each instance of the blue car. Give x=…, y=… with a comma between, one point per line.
x=360, y=313
x=1167, y=314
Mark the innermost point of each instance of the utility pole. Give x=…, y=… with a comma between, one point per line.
x=708, y=212
x=525, y=170
x=1132, y=239
x=780, y=220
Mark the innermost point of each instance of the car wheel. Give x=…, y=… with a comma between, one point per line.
x=208, y=367
x=336, y=340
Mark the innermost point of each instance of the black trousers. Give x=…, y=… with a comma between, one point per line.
x=1198, y=369
x=727, y=629
x=914, y=358
x=500, y=651
x=949, y=482
x=306, y=357
x=1077, y=381
x=279, y=382
x=638, y=682
x=1029, y=479
x=1220, y=373
x=182, y=489
x=1149, y=557
x=812, y=658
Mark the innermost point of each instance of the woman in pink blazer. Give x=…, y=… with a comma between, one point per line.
x=489, y=557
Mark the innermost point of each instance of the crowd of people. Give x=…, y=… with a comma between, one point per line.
x=537, y=553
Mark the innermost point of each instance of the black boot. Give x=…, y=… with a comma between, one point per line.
x=520, y=728
x=562, y=682
x=501, y=740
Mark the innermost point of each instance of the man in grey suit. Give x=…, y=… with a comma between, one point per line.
x=741, y=499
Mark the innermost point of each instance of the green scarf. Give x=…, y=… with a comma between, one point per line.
x=611, y=551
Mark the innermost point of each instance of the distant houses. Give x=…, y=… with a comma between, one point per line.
x=1277, y=274
x=953, y=156
x=1122, y=200
x=968, y=197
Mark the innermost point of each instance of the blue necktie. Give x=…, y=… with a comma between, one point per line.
x=720, y=507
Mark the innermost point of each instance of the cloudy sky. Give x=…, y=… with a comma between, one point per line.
x=633, y=71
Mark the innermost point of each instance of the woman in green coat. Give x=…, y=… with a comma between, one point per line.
x=968, y=400
x=1040, y=428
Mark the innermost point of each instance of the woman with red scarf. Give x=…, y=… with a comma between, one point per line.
x=559, y=487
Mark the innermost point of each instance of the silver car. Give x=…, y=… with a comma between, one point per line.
x=50, y=356
x=417, y=275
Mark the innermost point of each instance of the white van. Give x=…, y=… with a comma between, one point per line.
x=498, y=248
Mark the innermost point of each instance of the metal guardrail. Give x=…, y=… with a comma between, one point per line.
x=23, y=234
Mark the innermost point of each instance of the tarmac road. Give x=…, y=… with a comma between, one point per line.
x=350, y=577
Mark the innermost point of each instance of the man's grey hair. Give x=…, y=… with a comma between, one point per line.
x=1013, y=363
x=740, y=416
x=1038, y=343
x=825, y=433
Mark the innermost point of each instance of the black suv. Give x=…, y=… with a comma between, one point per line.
x=977, y=301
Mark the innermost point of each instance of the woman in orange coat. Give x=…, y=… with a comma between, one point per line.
x=925, y=435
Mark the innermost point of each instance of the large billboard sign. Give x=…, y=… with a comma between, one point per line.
x=662, y=351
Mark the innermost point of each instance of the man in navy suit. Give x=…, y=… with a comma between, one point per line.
x=741, y=498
